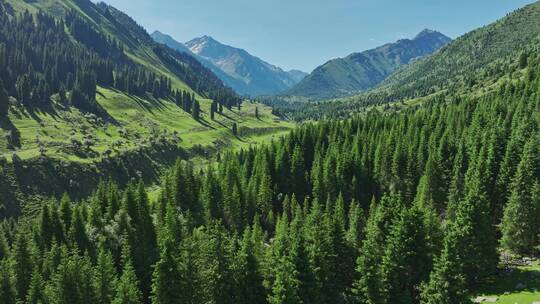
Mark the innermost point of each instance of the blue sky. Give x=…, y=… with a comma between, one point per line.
x=303, y=34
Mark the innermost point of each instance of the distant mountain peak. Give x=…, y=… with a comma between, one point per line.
x=430, y=33
x=365, y=70
x=245, y=73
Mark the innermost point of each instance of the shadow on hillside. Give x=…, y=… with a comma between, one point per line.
x=46, y=108
x=148, y=104
x=205, y=123
x=227, y=116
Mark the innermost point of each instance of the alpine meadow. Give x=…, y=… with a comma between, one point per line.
x=139, y=169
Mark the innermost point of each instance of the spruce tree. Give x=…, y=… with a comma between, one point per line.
x=36, y=292
x=447, y=283
x=4, y=247
x=105, y=277
x=127, y=288
x=285, y=284
x=7, y=287
x=4, y=100
x=298, y=174
x=249, y=280
x=167, y=286
x=356, y=223
x=23, y=265
x=78, y=235
x=367, y=286
x=406, y=262
x=196, y=113
x=520, y=226
x=66, y=211
x=72, y=281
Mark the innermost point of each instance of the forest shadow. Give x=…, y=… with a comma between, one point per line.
x=14, y=136
x=512, y=280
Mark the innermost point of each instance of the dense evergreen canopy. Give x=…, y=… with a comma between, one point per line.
x=394, y=207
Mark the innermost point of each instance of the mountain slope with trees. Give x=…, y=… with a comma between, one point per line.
x=365, y=70
x=474, y=64
x=478, y=58
x=82, y=86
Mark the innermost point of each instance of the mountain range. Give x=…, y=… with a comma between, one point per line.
x=245, y=73
x=362, y=71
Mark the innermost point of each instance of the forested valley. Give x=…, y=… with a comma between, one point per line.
x=421, y=203
x=406, y=207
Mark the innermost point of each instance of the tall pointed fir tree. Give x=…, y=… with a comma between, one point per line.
x=7, y=287
x=23, y=265
x=167, y=285
x=520, y=226
x=127, y=288
x=105, y=278
x=406, y=262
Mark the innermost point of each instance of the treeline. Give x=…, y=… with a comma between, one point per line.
x=409, y=207
x=39, y=58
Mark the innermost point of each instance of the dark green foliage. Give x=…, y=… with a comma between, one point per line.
x=196, y=112
x=406, y=262
x=4, y=100
x=105, y=278
x=72, y=281
x=127, y=287
x=394, y=207
x=7, y=288
x=167, y=285
x=520, y=227
x=22, y=264
x=36, y=292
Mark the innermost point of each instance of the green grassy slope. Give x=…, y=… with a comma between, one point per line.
x=63, y=149
x=140, y=118
x=134, y=122
x=137, y=50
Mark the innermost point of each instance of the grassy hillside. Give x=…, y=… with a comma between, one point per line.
x=65, y=150
x=54, y=146
x=516, y=284
x=136, y=117
x=133, y=122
